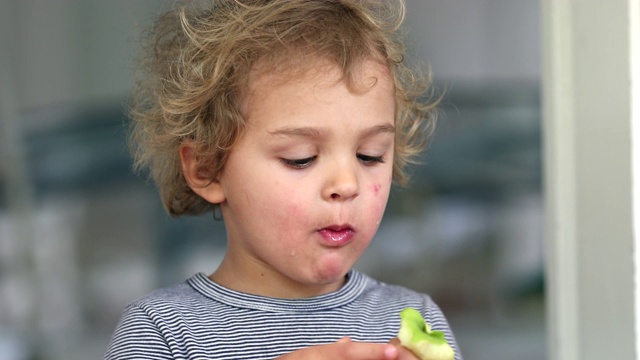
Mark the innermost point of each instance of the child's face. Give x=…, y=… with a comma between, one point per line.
x=306, y=185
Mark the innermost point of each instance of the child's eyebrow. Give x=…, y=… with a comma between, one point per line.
x=297, y=131
x=318, y=132
x=379, y=129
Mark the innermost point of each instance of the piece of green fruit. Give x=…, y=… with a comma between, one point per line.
x=416, y=335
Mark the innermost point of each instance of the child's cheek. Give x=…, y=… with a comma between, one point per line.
x=291, y=210
x=380, y=194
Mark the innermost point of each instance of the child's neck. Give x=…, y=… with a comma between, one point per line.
x=267, y=282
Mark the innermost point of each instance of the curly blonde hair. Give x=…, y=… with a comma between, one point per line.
x=197, y=63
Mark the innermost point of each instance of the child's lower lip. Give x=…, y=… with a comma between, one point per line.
x=337, y=237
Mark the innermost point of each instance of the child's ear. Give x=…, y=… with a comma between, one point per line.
x=208, y=189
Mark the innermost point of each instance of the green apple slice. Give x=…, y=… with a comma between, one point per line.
x=416, y=335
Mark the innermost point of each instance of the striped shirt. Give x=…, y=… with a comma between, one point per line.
x=199, y=319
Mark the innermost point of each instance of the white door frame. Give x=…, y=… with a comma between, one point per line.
x=591, y=69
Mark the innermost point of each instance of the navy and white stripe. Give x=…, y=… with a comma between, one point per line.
x=200, y=319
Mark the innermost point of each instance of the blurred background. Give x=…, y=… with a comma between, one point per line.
x=81, y=235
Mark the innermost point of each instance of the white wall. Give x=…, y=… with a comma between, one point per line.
x=71, y=51
x=466, y=40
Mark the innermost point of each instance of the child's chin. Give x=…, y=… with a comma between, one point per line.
x=332, y=271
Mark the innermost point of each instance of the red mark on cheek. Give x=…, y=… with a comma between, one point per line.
x=376, y=188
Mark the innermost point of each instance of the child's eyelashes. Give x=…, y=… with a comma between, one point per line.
x=370, y=160
x=303, y=163
x=298, y=163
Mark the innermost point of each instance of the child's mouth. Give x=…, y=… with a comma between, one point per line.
x=337, y=235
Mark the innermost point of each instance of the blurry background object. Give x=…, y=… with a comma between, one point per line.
x=81, y=236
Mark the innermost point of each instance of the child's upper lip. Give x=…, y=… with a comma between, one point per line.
x=338, y=227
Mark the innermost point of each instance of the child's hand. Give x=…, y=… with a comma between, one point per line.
x=347, y=349
x=403, y=352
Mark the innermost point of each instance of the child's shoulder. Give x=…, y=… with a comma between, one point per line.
x=399, y=295
x=175, y=297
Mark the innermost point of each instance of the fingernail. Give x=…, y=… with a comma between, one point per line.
x=391, y=352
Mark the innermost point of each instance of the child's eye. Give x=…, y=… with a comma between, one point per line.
x=370, y=160
x=298, y=163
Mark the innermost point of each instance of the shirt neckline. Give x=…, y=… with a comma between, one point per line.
x=353, y=287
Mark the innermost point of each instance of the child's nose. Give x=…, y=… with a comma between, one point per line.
x=342, y=184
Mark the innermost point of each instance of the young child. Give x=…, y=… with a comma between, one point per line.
x=291, y=118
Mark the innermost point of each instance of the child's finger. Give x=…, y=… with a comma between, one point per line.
x=355, y=350
x=343, y=340
x=395, y=341
x=403, y=352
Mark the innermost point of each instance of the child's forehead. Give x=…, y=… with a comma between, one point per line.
x=363, y=74
x=315, y=79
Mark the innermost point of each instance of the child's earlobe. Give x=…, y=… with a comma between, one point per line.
x=209, y=189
